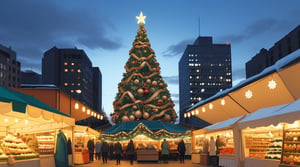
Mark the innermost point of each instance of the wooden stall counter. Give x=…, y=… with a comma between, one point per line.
x=81, y=157
x=147, y=155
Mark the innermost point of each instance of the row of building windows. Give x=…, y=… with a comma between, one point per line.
x=72, y=84
x=72, y=70
x=209, y=77
x=202, y=84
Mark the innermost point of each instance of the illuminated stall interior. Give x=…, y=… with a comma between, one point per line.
x=146, y=134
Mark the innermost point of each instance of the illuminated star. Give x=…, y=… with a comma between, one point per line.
x=141, y=18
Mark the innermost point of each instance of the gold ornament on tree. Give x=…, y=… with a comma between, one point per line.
x=154, y=83
x=125, y=118
x=138, y=114
x=146, y=115
x=136, y=81
x=131, y=118
x=140, y=91
x=167, y=117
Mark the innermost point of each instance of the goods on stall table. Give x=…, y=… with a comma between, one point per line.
x=258, y=146
x=11, y=145
x=291, y=147
x=46, y=144
x=274, y=150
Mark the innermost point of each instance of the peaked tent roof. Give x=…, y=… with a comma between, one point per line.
x=156, y=130
x=24, y=113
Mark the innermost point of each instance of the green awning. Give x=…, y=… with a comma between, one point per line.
x=154, y=129
x=20, y=101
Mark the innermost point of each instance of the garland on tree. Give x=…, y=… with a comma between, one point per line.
x=142, y=93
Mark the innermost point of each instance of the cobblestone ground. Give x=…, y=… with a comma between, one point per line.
x=126, y=163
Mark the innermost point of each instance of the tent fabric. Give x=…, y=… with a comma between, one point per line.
x=151, y=125
x=20, y=101
x=223, y=125
x=272, y=115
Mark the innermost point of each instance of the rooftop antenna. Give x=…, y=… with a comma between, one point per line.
x=199, y=25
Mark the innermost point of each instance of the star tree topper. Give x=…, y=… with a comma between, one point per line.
x=141, y=18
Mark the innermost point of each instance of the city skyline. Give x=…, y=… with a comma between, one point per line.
x=106, y=30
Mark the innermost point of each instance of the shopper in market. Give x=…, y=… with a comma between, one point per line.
x=165, y=150
x=98, y=150
x=104, y=151
x=118, y=152
x=130, y=151
x=91, y=147
x=111, y=151
x=181, y=150
x=212, y=151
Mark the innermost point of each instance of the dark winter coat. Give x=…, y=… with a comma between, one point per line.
x=91, y=145
x=104, y=147
x=181, y=147
x=130, y=148
x=118, y=148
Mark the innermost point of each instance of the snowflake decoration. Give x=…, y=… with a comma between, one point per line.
x=248, y=94
x=272, y=84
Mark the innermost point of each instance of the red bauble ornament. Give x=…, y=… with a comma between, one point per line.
x=146, y=91
x=159, y=102
x=134, y=107
x=148, y=81
x=161, y=84
x=138, y=114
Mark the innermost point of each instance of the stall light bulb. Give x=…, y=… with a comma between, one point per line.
x=76, y=106
x=5, y=120
x=222, y=102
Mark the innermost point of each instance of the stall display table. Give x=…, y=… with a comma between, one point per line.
x=250, y=162
x=196, y=158
x=81, y=157
x=47, y=161
x=147, y=155
x=23, y=163
x=226, y=160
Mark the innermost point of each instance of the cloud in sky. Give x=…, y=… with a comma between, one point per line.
x=255, y=29
x=32, y=27
x=177, y=49
x=171, y=79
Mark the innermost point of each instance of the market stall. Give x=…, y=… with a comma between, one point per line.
x=270, y=136
x=82, y=134
x=225, y=136
x=27, y=129
x=147, y=137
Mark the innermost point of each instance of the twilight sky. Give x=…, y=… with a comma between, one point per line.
x=105, y=30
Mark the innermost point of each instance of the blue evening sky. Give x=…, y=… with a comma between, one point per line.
x=105, y=30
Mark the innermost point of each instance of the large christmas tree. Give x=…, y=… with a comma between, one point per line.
x=142, y=93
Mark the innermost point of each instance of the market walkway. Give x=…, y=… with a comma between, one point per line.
x=126, y=163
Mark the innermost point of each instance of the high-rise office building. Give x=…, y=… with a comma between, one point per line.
x=204, y=70
x=266, y=58
x=71, y=70
x=9, y=68
x=97, y=86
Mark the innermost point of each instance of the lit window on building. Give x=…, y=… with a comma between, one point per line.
x=221, y=77
x=191, y=77
x=199, y=98
x=197, y=70
x=71, y=91
x=191, y=91
x=73, y=84
x=209, y=77
x=78, y=84
x=66, y=84
x=79, y=71
x=72, y=70
x=202, y=90
x=65, y=63
x=72, y=64
x=66, y=70
x=78, y=91
x=197, y=77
